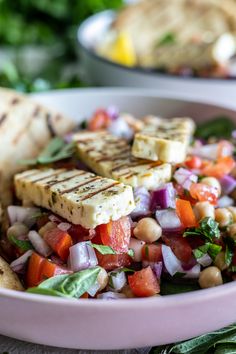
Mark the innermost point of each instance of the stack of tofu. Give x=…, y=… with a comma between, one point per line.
x=89, y=200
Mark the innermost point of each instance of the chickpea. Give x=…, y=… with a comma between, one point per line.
x=220, y=261
x=147, y=230
x=232, y=230
x=17, y=229
x=212, y=182
x=136, y=246
x=102, y=279
x=210, y=277
x=127, y=291
x=48, y=226
x=204, y=209
x=232, y=209
x=223, y=216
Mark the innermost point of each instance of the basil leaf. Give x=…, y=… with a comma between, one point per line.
x=44, y=291
x=219, y=127
x=53, y=282
x=56, y=150
x=170, y=288
x=24, y=245
x=103, y=249
x=65, y=152
x=167, y=39
x=75, y=285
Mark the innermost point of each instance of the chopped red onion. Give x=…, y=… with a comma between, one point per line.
x=233, y=134
x=121, y=129
x=39, y=244
x=68, y=138
x=117, y=280
x=209, y=151
x=82, y=256
x=205, y=260
x=22, y=214
x=110, y=295
x=94, y=289
x=55, y=219
x=19, y=264
x=228, y=184
x=81, y=166
x=168, y=220
x=193, y=273
x=136, y=245
x=163, y=197
x=185, y=178
x=171, y=262
x=142, y=202
x=56, y=259
x=113, y=112
x=64, y=226
x=225, y=202
x=157, y=269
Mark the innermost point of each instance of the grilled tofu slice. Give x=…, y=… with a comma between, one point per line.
x=165, y=140
x=78, y=196
x=111, y=157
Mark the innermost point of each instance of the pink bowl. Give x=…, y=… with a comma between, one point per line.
x=128, y=323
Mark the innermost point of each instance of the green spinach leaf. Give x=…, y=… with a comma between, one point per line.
x=208, y=229
x=103, y=249
x=219, y=127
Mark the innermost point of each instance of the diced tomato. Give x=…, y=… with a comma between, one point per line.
x=180, y=247
x=100, y=120
x=40, y=269
x=225, y=148
x=193, y=162
x=152, y=252
x=144, y=283
x=113, y=261
x=202, y=192
x=60, y=241
x=185, y=213
x=79, y=233
x=33, y=275
x=116, y=234
x=50, y=269
x=222, y=167
x=84, y=296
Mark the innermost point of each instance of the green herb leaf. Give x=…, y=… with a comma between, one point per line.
x=75, y=285
x=208, y=228
x=68, y=285
x=103, y=249
x=167, y=39
x=24, y=245
x=43, y=291
x=131, y=252
x=229, y=250
x=219, y=127
x=211, y=248
x=170, y=288
x=56, y=150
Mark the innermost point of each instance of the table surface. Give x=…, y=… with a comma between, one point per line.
x=13, y=346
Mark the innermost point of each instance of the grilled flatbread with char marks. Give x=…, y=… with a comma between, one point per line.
x=25, y=128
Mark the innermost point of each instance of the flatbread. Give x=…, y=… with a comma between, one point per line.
x=25, y=128
x=8, y=279
x=195, y=25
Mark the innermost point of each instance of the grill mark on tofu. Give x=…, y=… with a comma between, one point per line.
x=127, y=165
x=52, y=175
x=55, y=182
x=119, y=156
x=79, y=185
x=90, y=195
x=3, y=118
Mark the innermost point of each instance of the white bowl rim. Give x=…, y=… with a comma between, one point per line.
x=139, y=70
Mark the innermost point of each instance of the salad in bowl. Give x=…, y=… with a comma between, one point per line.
x=125, y=208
